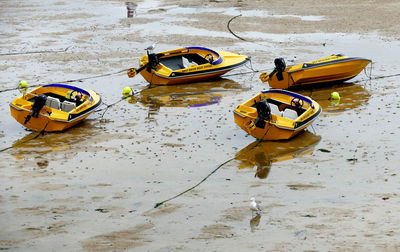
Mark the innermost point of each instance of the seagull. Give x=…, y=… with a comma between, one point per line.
x=254, y=207
x=151, y=48
x=293, y=60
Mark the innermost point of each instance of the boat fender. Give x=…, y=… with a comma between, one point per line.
x=39, y=103
x=280, y=67
x=264, y=113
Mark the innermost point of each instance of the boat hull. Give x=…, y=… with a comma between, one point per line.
x=278, y=127
x=51, y=119
x=335, y=68
x=166, y=73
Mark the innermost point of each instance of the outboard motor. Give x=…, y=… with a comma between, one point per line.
x=280, y=67
x=264, y=113
x=39, y=103
x=154, y=60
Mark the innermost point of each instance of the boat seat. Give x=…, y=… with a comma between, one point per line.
x=275, y=109
x=290, y=114
x=67, y=106
x=185, y=62
x=195, y=58
x=53, y=102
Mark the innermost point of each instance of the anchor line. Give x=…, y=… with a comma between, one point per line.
x=121, y=99
x=237, y=36
x=73, y=80
x=212, y=172
x=229, y=22
x=36, y=136
x=33, y=52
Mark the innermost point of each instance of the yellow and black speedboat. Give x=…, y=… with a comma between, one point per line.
x=276, y=114
x=335, y=68
x=54, y=107
x=186, y=65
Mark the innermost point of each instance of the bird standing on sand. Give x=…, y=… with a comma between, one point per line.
x=254, y=207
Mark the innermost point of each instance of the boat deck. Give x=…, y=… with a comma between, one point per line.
x=183, y=61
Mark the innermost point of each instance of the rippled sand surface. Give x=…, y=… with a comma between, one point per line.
x=94, y=186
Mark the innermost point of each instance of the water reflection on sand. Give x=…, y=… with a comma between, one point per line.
x=351, y=96
x=188, y=95
x=34, y=143
x=262, y=155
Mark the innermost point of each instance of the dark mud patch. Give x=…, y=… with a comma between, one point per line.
x=43, y=210
x=304, y=186
x=49, y=187
x=118, y=240
x=216, y=231
x=31, y=233
x=164, y=209
x=257, y=184
x=235, y=214
x=327, y=214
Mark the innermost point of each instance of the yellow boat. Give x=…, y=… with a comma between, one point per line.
x=47, y=108
x=276, y=114
x=335, y=68
x=186, y=65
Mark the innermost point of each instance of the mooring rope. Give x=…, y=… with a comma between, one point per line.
x=36, y=136
x=72, y=80
x=212, y=172
x=229, y=22
x=95, y=76
x=237, y=36
x=33, y=52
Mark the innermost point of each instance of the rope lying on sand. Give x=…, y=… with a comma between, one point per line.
x=36, y=136
x=237, y=36
x=73, y=80
x=33, y=52
x=109, y=74
x=229, y=22
x=95, y=76
x=22, y=142
x=211, y=173
x=115, y=103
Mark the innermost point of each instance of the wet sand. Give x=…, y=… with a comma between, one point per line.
x=93, y=187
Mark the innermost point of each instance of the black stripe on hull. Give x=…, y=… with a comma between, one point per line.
x=74, y=116
x=301, y=124
x=175, y=75
x=307, y=65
